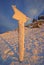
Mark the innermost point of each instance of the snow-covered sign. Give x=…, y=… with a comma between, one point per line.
x=22, y=18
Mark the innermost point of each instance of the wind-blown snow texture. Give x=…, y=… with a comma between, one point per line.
x=34, y=47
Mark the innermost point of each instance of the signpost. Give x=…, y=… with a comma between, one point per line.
x=22, y=18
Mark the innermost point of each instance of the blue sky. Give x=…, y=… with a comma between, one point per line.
x=32, y=8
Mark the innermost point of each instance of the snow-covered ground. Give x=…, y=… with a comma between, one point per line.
x=34, y=47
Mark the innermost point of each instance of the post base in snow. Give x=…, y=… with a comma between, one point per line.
x=21, y=54
x=21, y=60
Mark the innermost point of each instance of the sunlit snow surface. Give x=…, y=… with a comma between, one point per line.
x=34, y=47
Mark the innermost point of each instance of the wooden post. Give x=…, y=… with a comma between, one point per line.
x=21, y=40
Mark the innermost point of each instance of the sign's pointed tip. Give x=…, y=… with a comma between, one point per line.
x=13, y=6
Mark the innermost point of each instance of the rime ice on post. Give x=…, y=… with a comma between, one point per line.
x=21, y=20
